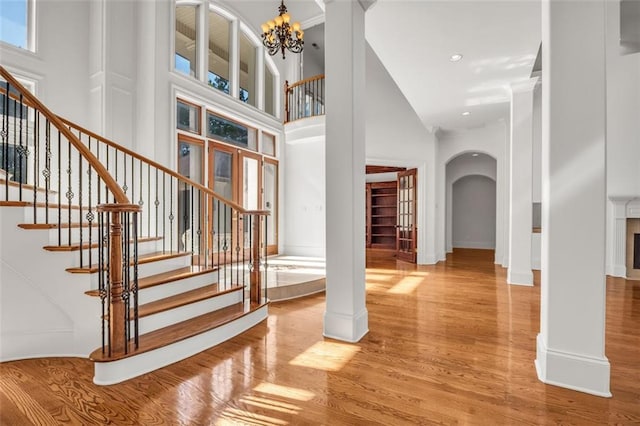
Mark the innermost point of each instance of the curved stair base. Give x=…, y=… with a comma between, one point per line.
x=112, y=372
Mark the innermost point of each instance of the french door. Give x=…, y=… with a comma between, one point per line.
x=406, y=224
x=250, y=181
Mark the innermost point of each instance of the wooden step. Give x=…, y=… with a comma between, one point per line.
x=180, y=331
x=43, y=205
x=165, y=277
x=183, y=299
x=144, y=258
x=57, y=225
x=84, y=246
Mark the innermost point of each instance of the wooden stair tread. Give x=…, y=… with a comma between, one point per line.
x=174, y=275
x=182, y=299
x=144, y=258
x=180, y=331
x=165, y=277
x=43, y=205
x=56, y=225
x=78, y=246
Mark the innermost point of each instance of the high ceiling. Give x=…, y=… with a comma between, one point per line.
x=414, y=39
x=498, y=40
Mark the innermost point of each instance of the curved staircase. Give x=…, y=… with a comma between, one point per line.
x=133, y=285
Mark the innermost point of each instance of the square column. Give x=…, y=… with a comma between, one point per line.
x=521, y=183
x=346, y=316
x=570, y=346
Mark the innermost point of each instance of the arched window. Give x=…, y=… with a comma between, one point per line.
x=214, y=47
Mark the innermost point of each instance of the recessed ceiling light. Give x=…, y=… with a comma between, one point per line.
x=455, y=57
x=475, y=154
x=466, y=113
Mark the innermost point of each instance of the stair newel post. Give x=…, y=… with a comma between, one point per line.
x=120, y=286
x=255, y=278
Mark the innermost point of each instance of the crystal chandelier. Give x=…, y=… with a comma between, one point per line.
x=278, y=34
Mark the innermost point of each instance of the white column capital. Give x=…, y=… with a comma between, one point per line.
x=365, y=4
x=526, y=86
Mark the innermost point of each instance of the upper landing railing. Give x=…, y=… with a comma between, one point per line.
x=304, y=98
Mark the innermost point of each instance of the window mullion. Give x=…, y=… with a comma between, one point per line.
x=234, y=59
x=202, y=35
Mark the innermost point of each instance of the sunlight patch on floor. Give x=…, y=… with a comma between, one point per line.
x=270, y=404
x=407, y=285
x=284, y=391
x=235, y=416
x=326, y=356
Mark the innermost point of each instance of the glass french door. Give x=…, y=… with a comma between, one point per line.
x=270, y=202
x=223, y=179
x=406, y=225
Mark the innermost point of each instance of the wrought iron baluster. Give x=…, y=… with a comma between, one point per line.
x=80, y=208
x=266, y=256
x=69, y=194
x=140, y=201
x=192, y=214
x=20, y=150
x=135, y=280
x=171, y=217
x=36, y=164
x=59, y=189
x=217, y=213
x=90, y=215
x=148, y=201
x=157, y=204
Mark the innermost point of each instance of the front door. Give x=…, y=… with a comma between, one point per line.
x=406, y=226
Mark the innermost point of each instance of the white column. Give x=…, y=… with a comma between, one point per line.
x=521, y=183
x=346, y=316
x=570, y=346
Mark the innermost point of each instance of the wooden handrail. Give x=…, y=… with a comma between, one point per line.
x=164, y=169
x=118, y=194
x=306, y=80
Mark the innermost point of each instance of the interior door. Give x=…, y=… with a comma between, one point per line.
x=406, y=226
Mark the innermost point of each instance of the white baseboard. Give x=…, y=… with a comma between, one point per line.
x=348, y=328
x=520, y=277
x=572, y=371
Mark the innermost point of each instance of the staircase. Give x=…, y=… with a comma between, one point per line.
x=108, y=255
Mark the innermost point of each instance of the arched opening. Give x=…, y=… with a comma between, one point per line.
x=474, y=212
x=476, y=201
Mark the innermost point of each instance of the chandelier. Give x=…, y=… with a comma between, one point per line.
x=278, y=34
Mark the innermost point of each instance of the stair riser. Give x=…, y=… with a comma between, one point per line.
x=27, y=194
x=153, y=268
x=157, y=292
x=54, y=213
x=144, y=247
x=183, y=313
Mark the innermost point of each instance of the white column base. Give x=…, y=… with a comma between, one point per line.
x=520, y=278
x=572, y=371
x=348, y=328
x=617, y=271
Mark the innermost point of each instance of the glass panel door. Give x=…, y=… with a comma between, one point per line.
x=223, y=180
x=190, y=225
x=270, y=198
x=406, y=229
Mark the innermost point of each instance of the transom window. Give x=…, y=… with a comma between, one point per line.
x=15, y=23
x=232, y=60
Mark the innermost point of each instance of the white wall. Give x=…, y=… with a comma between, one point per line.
x=303, y=229
x=623, y=122
x=395, y=136
x=465, y=165
x=59, y=65
x=474, y=212
x=491, y=140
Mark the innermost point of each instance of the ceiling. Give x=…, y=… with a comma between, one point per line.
x=498, y=40
x=414, y=39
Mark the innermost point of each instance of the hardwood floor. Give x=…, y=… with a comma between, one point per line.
x=448, y=344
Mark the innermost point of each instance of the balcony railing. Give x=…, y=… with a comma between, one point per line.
x=304, y=98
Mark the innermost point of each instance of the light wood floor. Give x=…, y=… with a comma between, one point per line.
x=448, y=344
